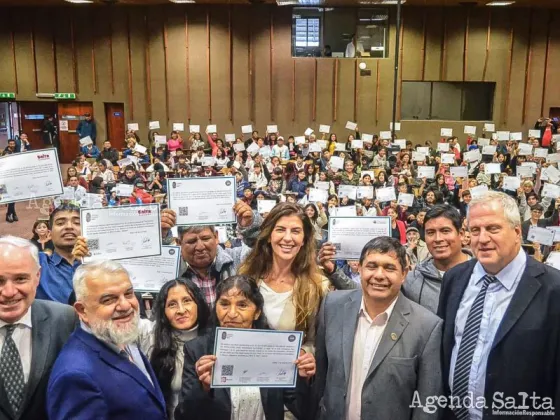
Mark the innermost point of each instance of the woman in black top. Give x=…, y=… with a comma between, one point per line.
x=42, y=236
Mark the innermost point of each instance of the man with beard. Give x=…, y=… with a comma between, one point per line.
x=100, y=372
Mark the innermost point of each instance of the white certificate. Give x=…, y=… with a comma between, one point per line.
x=322, y=144
x=489, y=150
x=473, y=155
x=443, y=147
x=349, y=191
x=202, y=201
x=324, y=128
x=426, y=172
x=397, y=126
x=317, y=195
x=299, y=140
x=178, y=126
x=483, y=142
x=551, y=191
x=153, y=125
x=194, y=128
x=140, y=149
x=272, y=129
x=516, y=136
x=160, y=140
x=367, y=138
x=535, y=133
x=459, y=171
x=492, y=168
x=336, y=162
x=212, y=128
x=553, y=260
x=385, y=135
x=133, y=126
x=262, y=358
x=489, y=127
x=124, y=190
x=446, y=132
x=315, y=147
x=364, y=191
x=114, y=233
x=532, y=165
x=479, y=190
x=502, y=135
x=239, y=147
x=470, y=129
x=85, y=141
x=553, y=174
x=423, y=149
x=553, y=158
x=540, y=235
x=511, y=183
x=208, y=161
x=350, y=234
x=448, y=158
x=265, y=206
x=253, y=148
x=540, y=152
x=405, y=199
x=524, y=171
x=341, y=147
x=385, y=194
x=63, y=125
x=357, y=144
x=148, y=274
x=92, y=201
x=230, y=138
x=351, y=125
x=124, y=162
x=247, y=129
x=344, y=211
x=322, y=185
x=401, y=143
x=525, y=149
x=418, y=157
x=308, y=131
x=30, y=175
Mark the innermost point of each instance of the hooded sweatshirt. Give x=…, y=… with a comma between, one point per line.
x=423, y=284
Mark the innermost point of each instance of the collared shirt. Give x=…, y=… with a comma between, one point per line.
x=22, y=338
x=498, y=297
x=56, y=277
x=206, y=284
x=131, y=350
x=367, y=338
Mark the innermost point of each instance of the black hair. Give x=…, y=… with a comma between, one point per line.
x=447, y=212
x=165, y=348
x=37, y=223
x=248, y=287
x=537, y=206
x=384, y=245
x=158, y=167
x=63, y=207
x=532, y=194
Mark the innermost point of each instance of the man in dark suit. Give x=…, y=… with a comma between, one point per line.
x=32, y=332
x=100, y=373
x=378, y=354
x=501, y=337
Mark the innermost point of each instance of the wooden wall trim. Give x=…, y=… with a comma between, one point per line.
x=487, y=52
x=424, y=41
x=93, y=64
x=187, y=75
x=148, y=67
x=401, y=62
x=129, y=63
x=230, y=64
x=53, y=50
x=356, y=88
x=34, y=55
x=111, y=61
x=377, y=85
x=271, y=76
x=73, y=48
x=510, y=66
x=293, y=89
x=165, y=64
x=466, y=44
x=208, y=62
x=13, y=46
x=529, y=59
x=250, y=70
x=546, y=57
x=315, y=72
x=443, y=52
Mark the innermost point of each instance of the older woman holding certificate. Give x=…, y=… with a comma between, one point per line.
x=239, y=305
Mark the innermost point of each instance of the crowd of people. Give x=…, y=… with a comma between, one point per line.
x=456, y=303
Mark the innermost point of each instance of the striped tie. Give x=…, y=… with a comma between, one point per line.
x=466, y=349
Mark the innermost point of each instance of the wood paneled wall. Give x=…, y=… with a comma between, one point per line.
x=232, y=65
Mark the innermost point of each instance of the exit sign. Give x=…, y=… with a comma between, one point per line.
x=7, y=95
x=64, y=96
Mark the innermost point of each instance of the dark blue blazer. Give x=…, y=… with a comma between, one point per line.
x=91, y=381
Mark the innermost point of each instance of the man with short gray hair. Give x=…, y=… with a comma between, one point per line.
x=32, y=332
x=104, y=347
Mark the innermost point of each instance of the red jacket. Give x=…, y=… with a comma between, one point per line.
x=402, y=231
x=145, y=197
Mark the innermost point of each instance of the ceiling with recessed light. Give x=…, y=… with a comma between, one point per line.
x=464, y=3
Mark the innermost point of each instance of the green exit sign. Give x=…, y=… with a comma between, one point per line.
x=64, y=96
x=7, y=95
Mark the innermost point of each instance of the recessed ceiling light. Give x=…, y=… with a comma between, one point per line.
x=79, y=1
x=386, y=2
x=287, y=2
x=500, y=3
x=182, y=1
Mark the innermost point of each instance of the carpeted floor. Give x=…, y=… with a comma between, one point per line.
x=27, y=214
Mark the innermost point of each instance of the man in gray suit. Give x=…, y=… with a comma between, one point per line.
x=32, y=332
x=378, y=354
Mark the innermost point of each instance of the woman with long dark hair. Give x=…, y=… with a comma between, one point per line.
x=240, y=305
x=181, y=315
x=42, y=236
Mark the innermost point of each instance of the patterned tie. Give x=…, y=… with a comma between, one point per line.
x=466, y=349
x=11, y=370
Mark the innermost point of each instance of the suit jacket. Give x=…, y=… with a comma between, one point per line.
x=407, y=360
x=91, y=381
x=52, y=323
x=197, y=404
x=525, y=354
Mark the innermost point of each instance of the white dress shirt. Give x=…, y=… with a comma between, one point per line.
x=367, y=338
x=22, y=338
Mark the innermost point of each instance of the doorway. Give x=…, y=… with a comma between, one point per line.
x=554, y=113
x=114, y=113
x=72, y=113
x=33, y=114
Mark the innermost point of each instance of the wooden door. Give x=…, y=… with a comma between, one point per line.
x=73, y=112
x=115, y=125
x=32, y=116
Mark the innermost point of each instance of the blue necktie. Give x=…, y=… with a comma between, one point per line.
x=466, y=349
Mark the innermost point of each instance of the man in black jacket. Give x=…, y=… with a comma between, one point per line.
x=109, y=153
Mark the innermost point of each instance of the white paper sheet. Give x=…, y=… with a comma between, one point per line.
x=350, y=234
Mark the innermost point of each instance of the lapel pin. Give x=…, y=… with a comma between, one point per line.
x=393, y=336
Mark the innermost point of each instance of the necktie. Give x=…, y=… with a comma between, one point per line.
x=11, y=370
x=466, y=349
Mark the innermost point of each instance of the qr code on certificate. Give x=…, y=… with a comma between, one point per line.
x=227, y=370
x=337, y=246
x=93, y=244
x=183, y=211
